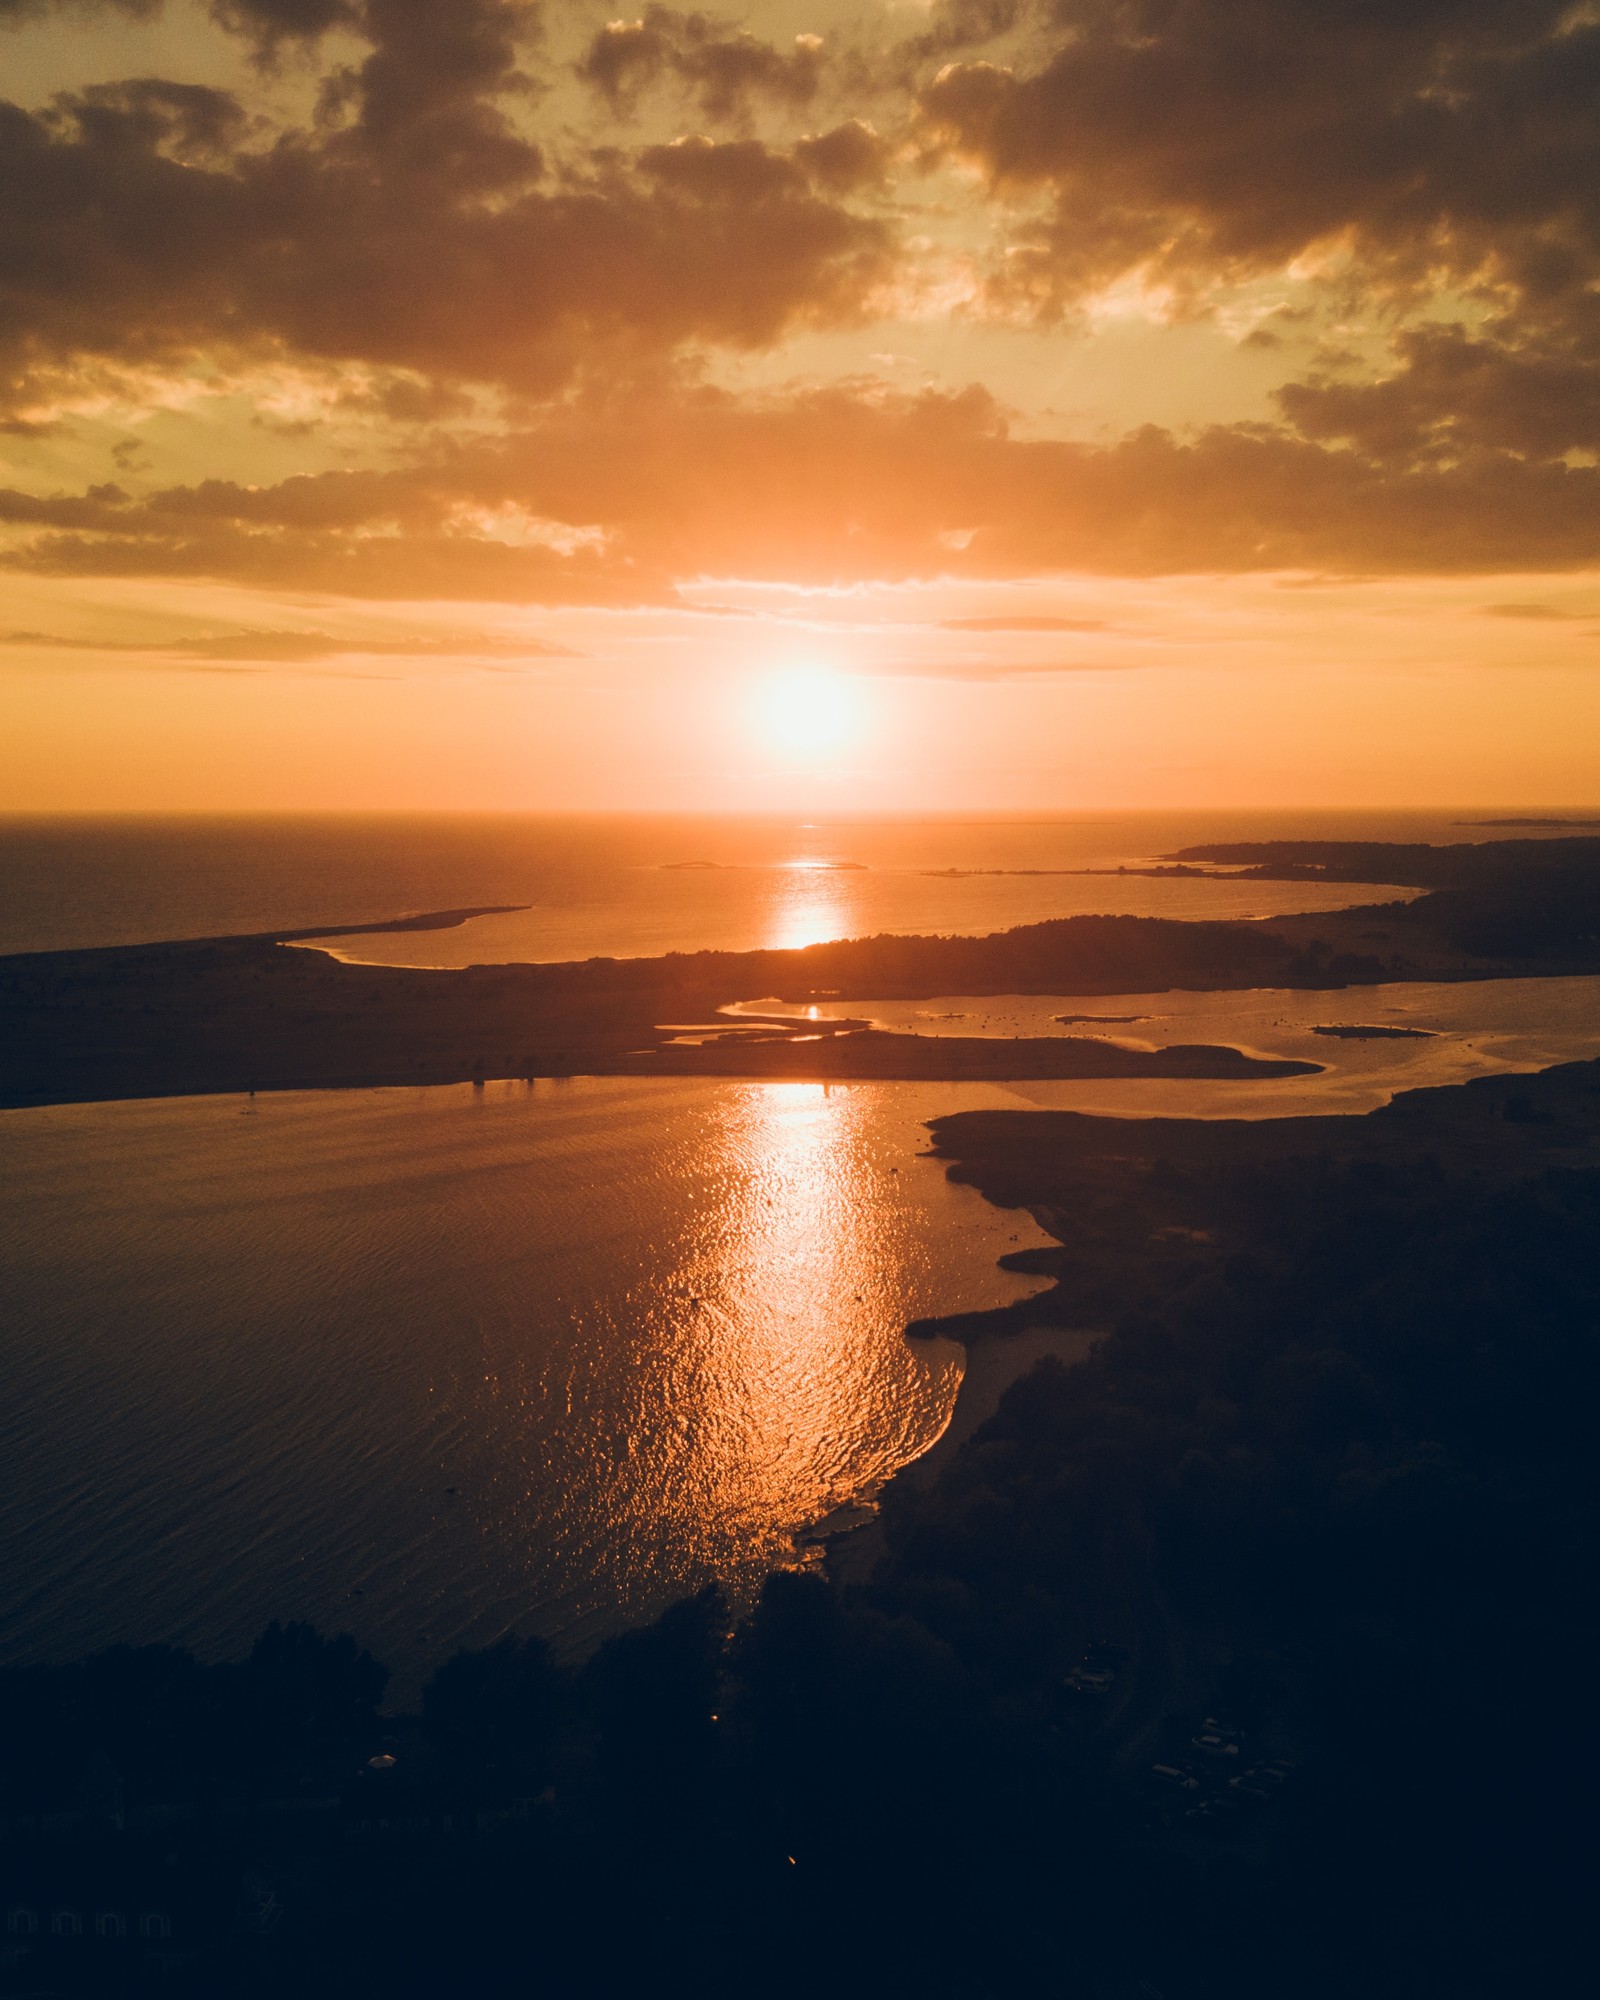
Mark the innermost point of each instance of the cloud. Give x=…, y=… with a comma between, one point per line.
x=1003, y=670
x=848, y=157
x=617, y=499
x=723, y=66
x=1455, y=392
x=431, y=238
x=1022, y=624
x=14, y=11
x=96, y=508
x=1242, y=132
x=1398, y=151
x=954, y=25
x=1534, y=613
x=417, y=226
x=301, y=648
x=271, y=23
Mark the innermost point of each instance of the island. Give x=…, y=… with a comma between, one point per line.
x=1374, y=1032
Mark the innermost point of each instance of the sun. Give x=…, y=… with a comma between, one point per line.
x=809, y=713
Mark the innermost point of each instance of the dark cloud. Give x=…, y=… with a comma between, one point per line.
x=953, y=27
x=1454, y=392
x=723, y=66
x=1246, y=130
x=99, y=507
x=148, y=222
x=419, y=229
x=850, y=156
x=271, y=23
x=1415, y=146
x=723, y=171
x=181, y=124
x=1432, y=138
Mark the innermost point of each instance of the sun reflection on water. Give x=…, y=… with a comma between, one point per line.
x=807, y=908
x=795, y=1267
x=741, y=1372
x=546, y=1355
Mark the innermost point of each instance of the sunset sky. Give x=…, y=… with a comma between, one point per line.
x=453, y=403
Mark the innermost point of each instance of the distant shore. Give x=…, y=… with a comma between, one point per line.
x=246, y=1013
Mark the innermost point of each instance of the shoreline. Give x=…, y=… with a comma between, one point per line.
x=994, y=1361
x=262, y=1012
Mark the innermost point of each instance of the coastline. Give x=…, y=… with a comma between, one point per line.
x=1154, y=1217
x=263, y=1012
x=850, y=1552
x=992, y=1366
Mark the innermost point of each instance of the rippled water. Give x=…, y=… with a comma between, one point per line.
x=647, y=1331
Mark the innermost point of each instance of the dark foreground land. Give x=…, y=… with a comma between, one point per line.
x=1252, y=1656
x=266, y=1014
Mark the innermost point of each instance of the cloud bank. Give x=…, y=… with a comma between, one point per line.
x=445, y=219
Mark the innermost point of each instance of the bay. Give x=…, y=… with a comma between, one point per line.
x=430, y=1365
x=433, y=1365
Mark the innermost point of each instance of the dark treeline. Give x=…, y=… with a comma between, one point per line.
x=1248, y=1657
x=1493, y=898
x=1461, y=864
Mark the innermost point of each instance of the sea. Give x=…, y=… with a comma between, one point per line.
x=433, y=1365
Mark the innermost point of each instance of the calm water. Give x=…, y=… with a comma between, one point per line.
x=648, y=1332
x=601, y=886
x=426, y=1365
x=1475, y=1028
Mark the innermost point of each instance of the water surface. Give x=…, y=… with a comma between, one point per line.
x=615, y=886
x=427, y=1364
x=1464, y=1029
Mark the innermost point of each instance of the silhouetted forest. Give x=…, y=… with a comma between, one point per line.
x=1493, y=898
x=1247, y=1657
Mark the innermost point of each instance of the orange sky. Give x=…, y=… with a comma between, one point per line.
x=1097, y=403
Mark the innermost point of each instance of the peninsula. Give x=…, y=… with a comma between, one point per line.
x=263, y=1012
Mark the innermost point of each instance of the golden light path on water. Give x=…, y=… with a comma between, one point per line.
x=767, y=1382
x=430, y=1364
x=806, y=908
